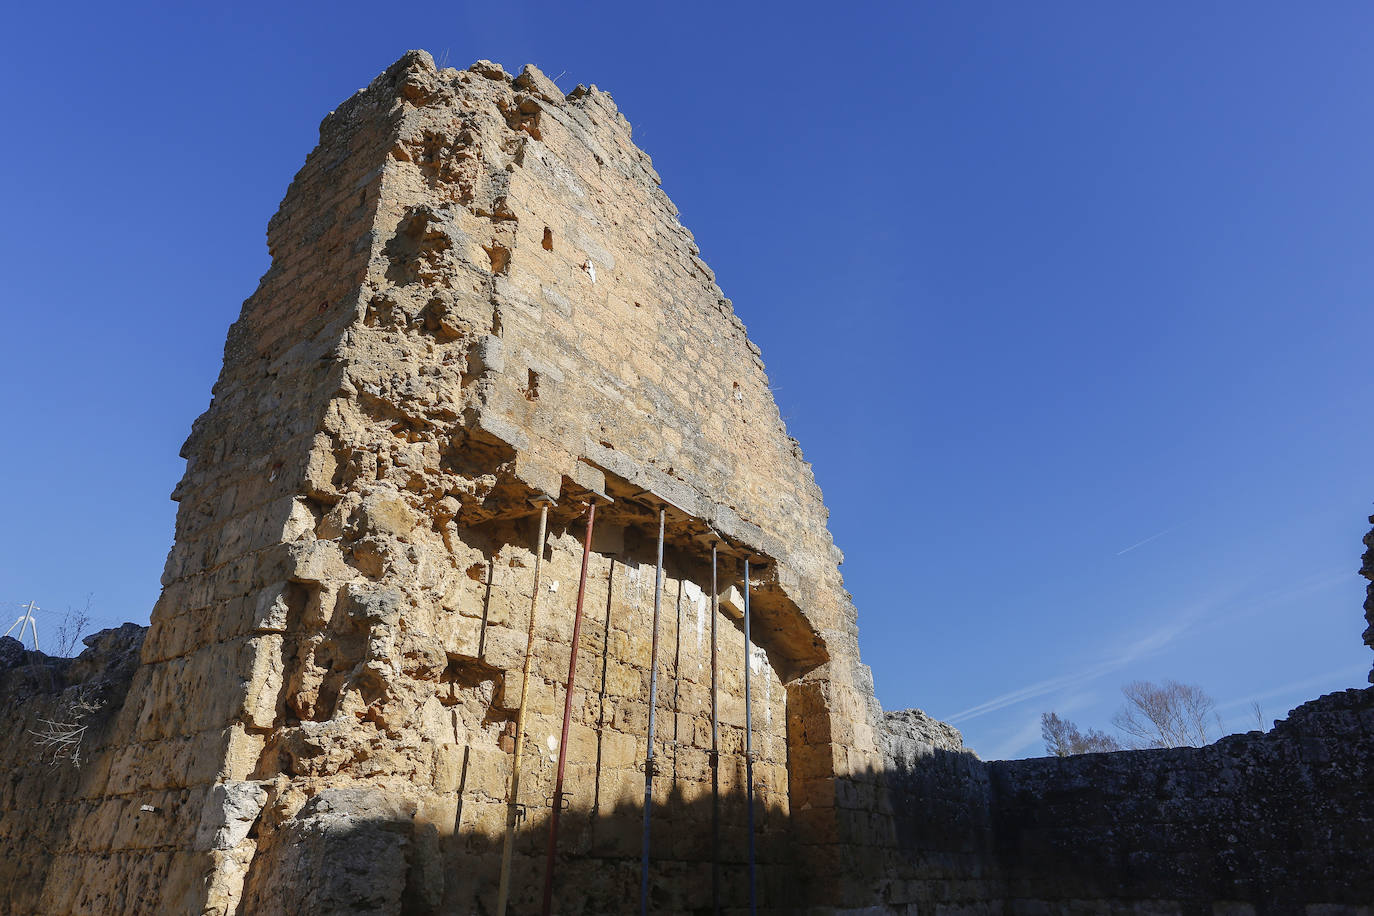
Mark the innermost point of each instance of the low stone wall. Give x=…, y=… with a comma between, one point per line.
x=935, y=808
x=1278, y=822
x=44, y=786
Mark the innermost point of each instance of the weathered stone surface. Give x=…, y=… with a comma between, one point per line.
x=908, y=732
x=478, y=295
x=533, y=81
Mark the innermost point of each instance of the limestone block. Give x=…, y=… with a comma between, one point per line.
x=448, y=767
x=271, y=608
x=230, y=812
x=533, y=81
x=488, y=771
x=624, y=680
x=619, y=750
x=589, y=478
x=348, y=844
x=265, y=678
x=731, y=601
x=504, y=648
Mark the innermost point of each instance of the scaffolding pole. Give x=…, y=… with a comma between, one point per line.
x=513, y=803
x=715, y=745
x=567, y=717
x=653, y=702
x=749, y=743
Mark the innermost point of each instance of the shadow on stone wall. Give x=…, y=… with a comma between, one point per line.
x=1269, y=823
x=365, y=850
x=1255, y=823
x=1260, y=823
x=1278, y=820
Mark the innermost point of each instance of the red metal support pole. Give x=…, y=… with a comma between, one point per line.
x=567, y=716
x=513, y=802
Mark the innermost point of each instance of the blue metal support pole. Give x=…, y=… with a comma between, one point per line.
x=653, y=702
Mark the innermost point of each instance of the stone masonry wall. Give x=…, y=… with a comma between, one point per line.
x=1260, y=823
x=46, y=787
x=1272, y=823
x=522, y=327
x=478, y=295
x=532, y=238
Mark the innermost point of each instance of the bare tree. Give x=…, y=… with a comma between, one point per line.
x=59, y=736
x=72, y=629
x=1063, y=738
x=1167, y=715
x=59, y=740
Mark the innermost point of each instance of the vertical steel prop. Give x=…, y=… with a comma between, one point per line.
x=653, y=703
x=749, y=742
x=513, y=803
x=567, y=716
x=715, y=746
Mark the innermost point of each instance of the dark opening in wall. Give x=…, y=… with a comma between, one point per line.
x=548, y=239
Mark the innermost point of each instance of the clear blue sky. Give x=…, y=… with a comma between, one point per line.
x=1068, y=304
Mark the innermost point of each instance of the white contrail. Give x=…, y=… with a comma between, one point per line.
x=1151, y=643
x=1147, y=540
x=1031, y=691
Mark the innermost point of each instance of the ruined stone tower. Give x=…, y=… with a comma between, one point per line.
x=478, y=296
x=480, y=301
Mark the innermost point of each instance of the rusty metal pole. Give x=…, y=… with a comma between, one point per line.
x=653, y=702
x=749, y=742
x=567, y=716
x=715, y=746
x=513, y=803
